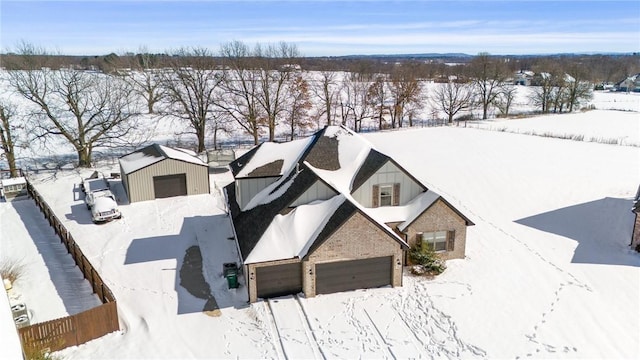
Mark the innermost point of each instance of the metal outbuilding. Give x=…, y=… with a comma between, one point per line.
x=158, y=171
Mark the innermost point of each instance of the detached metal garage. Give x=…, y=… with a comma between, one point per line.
x=158, y=171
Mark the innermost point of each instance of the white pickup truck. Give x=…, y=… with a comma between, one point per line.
x=99, y=199
x=104, y=207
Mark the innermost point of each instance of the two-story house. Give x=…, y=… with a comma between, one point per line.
x=330, y=213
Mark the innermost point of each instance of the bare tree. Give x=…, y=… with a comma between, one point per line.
x=356, y=89
x=326, y=91
x=453, y=98
x=88, y=109
x=240, y=89
x=487, y=75
x=191, y=87
x=578, y=88
x=505, y=98
x=543, y=91
x=7, y=136
x=298, y=106
x=146, y=78
x=377, y=95
x=404, y=91
x=275, y=66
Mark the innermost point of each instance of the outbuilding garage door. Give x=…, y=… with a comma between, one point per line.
x=278, y=280
x=170, y=185
x=354, y=274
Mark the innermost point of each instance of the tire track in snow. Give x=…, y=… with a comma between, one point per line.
x=293, y=328
x=275, y=334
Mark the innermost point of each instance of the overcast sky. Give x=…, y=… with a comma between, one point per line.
x=320, y=28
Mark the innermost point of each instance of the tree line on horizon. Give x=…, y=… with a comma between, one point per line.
x=265, y=87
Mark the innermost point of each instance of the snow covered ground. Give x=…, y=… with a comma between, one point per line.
x=548, y=272
x=604, y=126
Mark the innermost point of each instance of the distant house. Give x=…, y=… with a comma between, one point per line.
x=330, y=213
x=523, y=77
x=158, y=171
x=629, y=84
x=635, y=236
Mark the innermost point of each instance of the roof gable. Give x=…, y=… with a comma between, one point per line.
x=431, y=201
x=154, y=153
x=270, y=159
x=340, y=217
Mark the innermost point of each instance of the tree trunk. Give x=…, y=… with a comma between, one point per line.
x=293, y=128
x=201, y=147
x=215, y=137
x=11, y=160
x=272, y=129
x=84, y=157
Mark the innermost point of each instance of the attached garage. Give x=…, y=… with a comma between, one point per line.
x=278, y=280
x=158, y=171
x=354, y=274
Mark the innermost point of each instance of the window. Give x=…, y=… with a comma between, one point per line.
x=436, y=240
x=386, y=195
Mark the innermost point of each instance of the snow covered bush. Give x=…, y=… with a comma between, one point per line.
x=426, y=260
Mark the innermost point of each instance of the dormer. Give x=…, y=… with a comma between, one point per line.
x=263, y=166
x=380, y=181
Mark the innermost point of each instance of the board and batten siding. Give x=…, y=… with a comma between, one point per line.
x=140, y=183
x=317, y=191
x=388, y=174
x=247, y=188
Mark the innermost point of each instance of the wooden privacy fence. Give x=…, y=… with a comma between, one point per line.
x=79, y=328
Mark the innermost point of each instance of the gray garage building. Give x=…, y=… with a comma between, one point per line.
x=158, y=171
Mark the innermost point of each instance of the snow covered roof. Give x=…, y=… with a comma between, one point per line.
x=407, y=213
x=271, y=159
x=155, y=153
x=292, y=234
x=13, y=181
x=268, y=229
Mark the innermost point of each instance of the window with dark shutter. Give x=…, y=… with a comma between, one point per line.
x=396, y=194
x=451, y=239
x=436, y=241
x=375, y=196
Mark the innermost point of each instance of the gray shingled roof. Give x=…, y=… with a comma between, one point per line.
x=251, y=224
x=321, y=153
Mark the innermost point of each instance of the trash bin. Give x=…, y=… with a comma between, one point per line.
x=229, y=268
x=232, y=281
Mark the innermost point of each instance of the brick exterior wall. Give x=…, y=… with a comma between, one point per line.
x=357, y=238
x=440, y=217
x=635, y=240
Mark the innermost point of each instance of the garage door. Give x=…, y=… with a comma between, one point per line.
x=353, y=274
x=170, y=185
x=278, y=280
